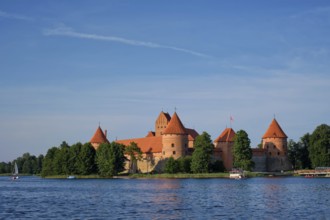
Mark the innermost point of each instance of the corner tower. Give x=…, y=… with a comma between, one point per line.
x=161, y=123
x=99, y=138
x=175, y=139
x=274, y=142
x=225, y=143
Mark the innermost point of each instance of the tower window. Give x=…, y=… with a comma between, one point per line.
x=274, y=146
x=172, y=145
x=270, y=153
x=278, y=153
x=173, y=152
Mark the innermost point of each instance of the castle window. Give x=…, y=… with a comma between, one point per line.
x=163, y=152
x=278, y=153
x=274, y=146
x=173, y=152
x=270, y=153
x=172, y=145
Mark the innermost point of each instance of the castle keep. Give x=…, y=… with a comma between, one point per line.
x=172, y=139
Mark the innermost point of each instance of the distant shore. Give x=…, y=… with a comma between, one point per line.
x=174, y=176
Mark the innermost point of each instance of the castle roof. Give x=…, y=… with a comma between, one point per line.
x=274, y=131
x=164, y=114
x=226, y=136
x=150, y=134
x=99, y=137
x=192, y=134
x=175, y=126
x=147, y=144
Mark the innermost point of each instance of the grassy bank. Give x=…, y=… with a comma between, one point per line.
x=181, y=175
x=174, y=176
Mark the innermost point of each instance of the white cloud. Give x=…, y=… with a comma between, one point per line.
x=15, y=16
x=69, y=32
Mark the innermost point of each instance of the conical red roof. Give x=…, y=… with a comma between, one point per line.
x=99, y=137
x=226, y=136
x=274, y=131
x=175, y=126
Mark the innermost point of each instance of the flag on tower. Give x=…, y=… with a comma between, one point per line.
x=231, y=119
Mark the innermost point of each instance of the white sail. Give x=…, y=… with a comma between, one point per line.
x=16, y=169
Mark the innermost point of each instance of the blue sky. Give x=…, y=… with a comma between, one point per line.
x=67, y=65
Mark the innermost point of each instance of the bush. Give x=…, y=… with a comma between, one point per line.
x=217, y=166
x=171, y=166
x=184, y=164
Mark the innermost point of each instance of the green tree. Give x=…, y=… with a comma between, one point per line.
x=62, y=163
x=201, y=157
x=87, y=159
x=242, y=152
x=135, y=154
x=185, y=164
x=48, y=162
x=217, y=166
x=294, y=154
x=171, y=166
x=319, y=149
x=304, y=152
x=40, y=159
x=110, y=159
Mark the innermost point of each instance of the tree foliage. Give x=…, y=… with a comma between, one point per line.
x=171, y=166
x=298, y=153
x=64, y=160
x=201, y=158
x=135, y=154
x=185, y=164
x=242, y=152
x=319, y=149
x=110, y=159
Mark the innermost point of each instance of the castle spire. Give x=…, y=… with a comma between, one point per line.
x=175, y=126
x=274, y=131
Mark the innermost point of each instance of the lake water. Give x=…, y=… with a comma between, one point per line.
x=254, y=198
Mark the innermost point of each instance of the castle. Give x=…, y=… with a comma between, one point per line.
x=172, y=139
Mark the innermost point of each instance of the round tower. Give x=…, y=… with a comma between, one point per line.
x=175, y=139
x=224, y=143
x=99, y=138
x=274, y=141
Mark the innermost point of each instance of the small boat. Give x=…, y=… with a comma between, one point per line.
x=15, y=174
x=236, y=174
x=71, y=177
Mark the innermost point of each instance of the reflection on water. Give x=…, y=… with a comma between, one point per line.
x=256, y=198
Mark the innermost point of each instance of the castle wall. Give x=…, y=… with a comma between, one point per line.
x=277, y=164
x=174, y=145
x=276, y=153
x=260, y=160
x=275, y=146
x=150, y=162
x=226, y=149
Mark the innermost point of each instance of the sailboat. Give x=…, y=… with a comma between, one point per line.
x=15, y=174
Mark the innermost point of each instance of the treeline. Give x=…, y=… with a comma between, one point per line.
x=27, y=164
x=82, y=159
x=312, y=150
